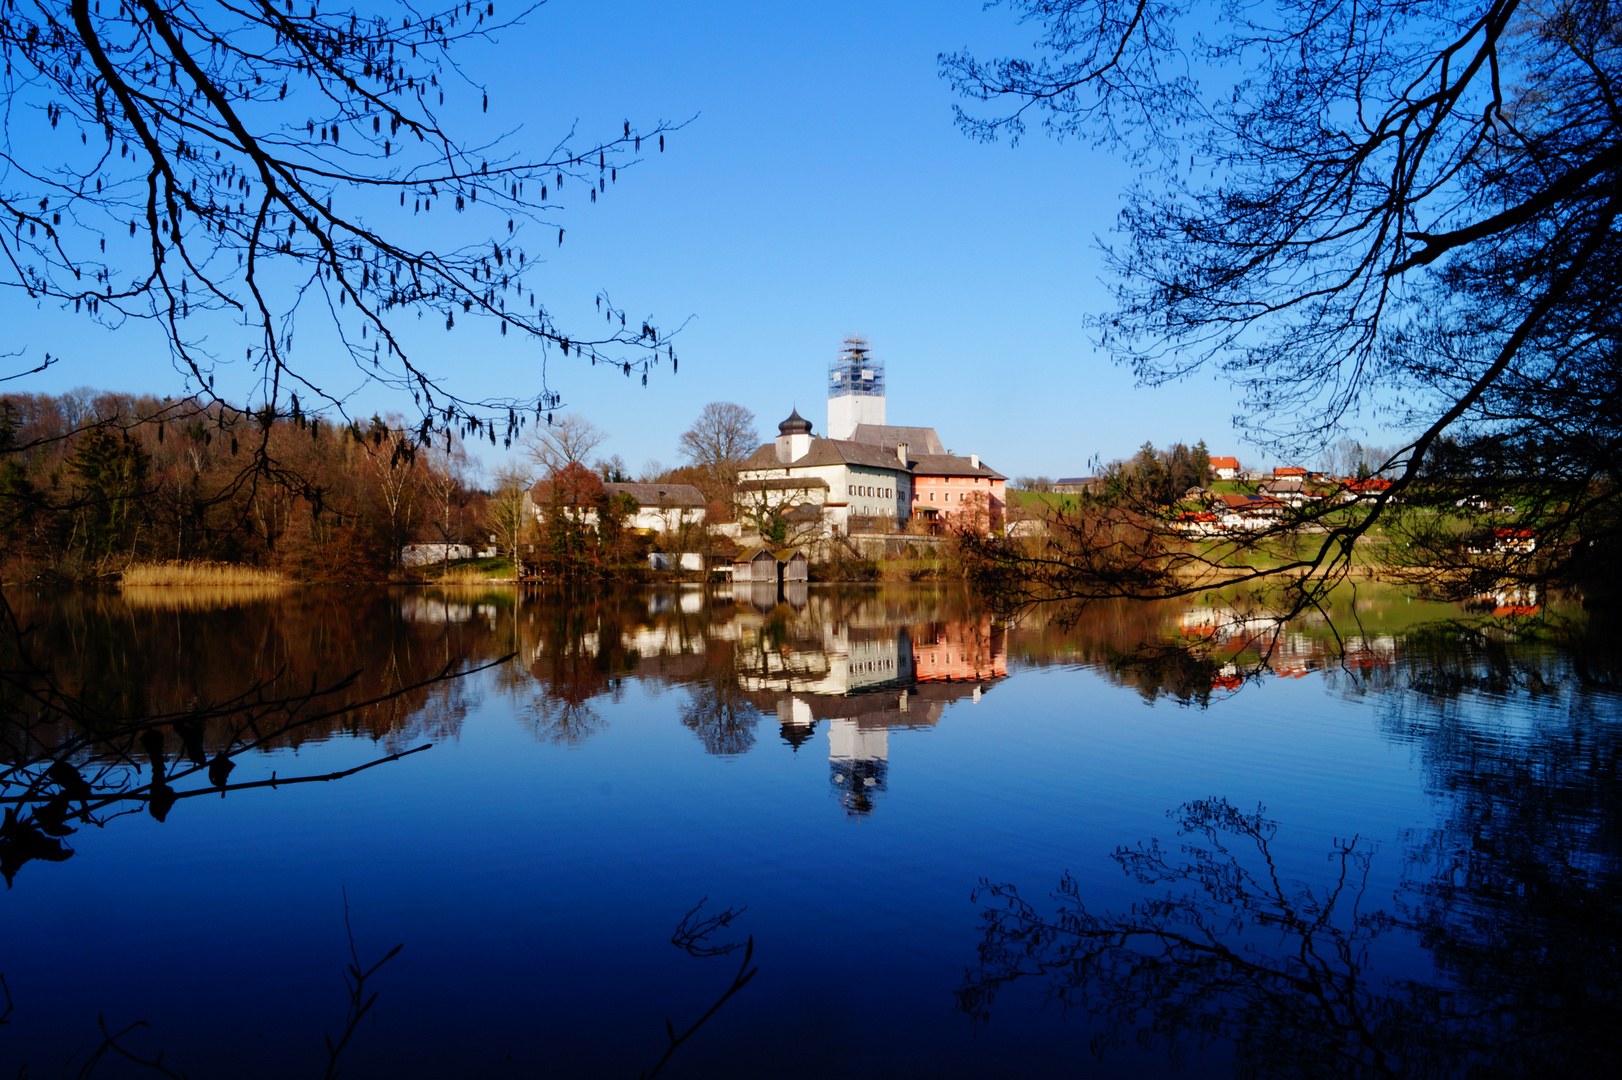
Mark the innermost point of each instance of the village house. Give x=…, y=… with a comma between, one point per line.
x=1247, y=512
x=429, y=552
x=1225, y=468
x=1291, y=491
x=1353, y=490
x=1197, y=523
x=951, y=492
x=1505, y=541
x=663, y=509
x=946, y=489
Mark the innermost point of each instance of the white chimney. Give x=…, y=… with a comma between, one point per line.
x=901, y=452
x=974, y=460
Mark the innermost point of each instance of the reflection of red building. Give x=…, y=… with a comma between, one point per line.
x=963, y=651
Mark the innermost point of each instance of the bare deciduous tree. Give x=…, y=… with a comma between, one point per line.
x=509, y=514
x=562, y=442
x=217, y=168
x=719, y=441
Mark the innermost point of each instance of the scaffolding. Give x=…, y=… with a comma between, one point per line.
x=856, y=372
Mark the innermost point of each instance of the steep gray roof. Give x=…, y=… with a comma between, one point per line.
x=950, y=465
x=919, y=440
x=684, y=496
x=828, y=452
x=784, y=483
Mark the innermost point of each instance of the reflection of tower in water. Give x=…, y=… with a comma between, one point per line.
x=795, y=719
x=864, y=681
x=858, y=763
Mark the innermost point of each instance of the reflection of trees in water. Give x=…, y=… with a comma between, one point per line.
x=1223, y=948
x=561, y=721
x=574, y=653
x=716, y=709
x=1517, y=893
x=1129, y=641
x=121, y=655
x=1362, y=639
x=1515, y=896
x=106, y=711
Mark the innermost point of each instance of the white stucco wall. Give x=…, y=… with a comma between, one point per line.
x=848, y=410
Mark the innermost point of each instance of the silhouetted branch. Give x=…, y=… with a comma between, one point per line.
x=359, y=1003
x=739, y=981
x=692, y=936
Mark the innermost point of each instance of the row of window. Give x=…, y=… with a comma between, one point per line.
x=873, y=492
x=887, y=493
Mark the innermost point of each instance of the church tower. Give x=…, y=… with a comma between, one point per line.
x=855, y=389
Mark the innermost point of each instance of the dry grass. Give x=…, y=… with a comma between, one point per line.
x=200, y=597
x=467, y=575
x=199, y=573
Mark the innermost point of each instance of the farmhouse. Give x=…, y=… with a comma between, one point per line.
x=657, y=508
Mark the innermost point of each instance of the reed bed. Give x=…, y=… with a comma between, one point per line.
x=196, y=573
x=469, y=575
x=199, y=597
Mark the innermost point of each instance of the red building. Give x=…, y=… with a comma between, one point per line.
x=951, y=493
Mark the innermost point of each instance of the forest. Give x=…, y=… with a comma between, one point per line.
x=92, y=483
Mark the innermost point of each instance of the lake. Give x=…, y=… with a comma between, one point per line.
x=947, y=841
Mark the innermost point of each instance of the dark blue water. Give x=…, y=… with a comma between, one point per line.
x=1400, y=842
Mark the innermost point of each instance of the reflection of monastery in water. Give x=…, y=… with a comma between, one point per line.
x=857, y=669
x=863, y=683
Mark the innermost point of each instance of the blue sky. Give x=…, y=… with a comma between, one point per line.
x=820, y=190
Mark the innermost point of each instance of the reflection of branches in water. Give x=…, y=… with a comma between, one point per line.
x=560, y=720
x=1519, y=907
x=720, y=715
x=1231, y=951
x=113, y=1044
x=355, y=979
x=692, y=937
x=693, y=934
x=67, y=762
x=1517, y=893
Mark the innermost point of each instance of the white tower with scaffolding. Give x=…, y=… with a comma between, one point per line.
x=855, y=389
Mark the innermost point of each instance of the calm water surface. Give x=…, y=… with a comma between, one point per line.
x=961, y=846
